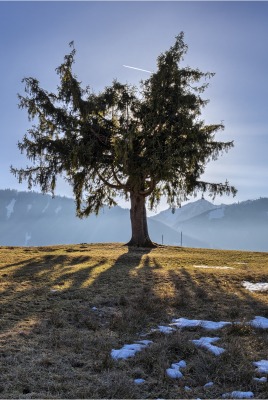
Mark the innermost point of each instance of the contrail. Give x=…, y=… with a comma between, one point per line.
x=139, y=69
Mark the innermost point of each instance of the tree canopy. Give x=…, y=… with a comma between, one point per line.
x=141, y=142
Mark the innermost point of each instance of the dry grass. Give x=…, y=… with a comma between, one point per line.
x=54, y=345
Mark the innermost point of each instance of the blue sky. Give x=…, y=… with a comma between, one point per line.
x=228, y=38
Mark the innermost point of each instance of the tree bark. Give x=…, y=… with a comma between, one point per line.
x=140, y=236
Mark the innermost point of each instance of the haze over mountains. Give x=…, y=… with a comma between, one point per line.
x=241, y=226
x=33, y=219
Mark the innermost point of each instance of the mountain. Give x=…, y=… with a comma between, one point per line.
x=33, y=219
x=184, y=213
x=241, y=226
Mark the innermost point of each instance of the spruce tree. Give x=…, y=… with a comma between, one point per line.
x=142, y=143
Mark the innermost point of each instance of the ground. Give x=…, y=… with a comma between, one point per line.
x=64, y=309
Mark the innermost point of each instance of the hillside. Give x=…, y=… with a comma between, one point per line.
x=241, y=226
x=105, y=321
x=33, y=219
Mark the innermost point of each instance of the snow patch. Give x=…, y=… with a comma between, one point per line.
x=187, y=389
x=208, y=385
x=255, y=287
x=216, y=214
x=27, y=238
x=262, y=366
x=238, y=395
x=58, y=209
x=260, y=322
x=10, y=208
x=129, y=350
x=205, y=342
x=174, y=372
x=198, y=323
x=212, y=267
x=29, y=207
x=262, y=379
x=164, y=329
x=45, y=208
x=138, y=381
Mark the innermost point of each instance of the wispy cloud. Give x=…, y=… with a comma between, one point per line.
x=139, y=69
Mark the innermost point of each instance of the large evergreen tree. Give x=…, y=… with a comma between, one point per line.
x=142, y=143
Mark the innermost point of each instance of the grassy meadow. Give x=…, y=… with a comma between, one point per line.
x=54, y=344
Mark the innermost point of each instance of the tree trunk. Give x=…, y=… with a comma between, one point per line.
x=140, y=236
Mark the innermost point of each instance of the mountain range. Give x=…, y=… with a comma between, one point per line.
x=241, y=226
x=34, y=219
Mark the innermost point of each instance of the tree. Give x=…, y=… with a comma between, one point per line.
x=141, y=143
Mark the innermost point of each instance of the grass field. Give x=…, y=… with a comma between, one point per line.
x=64, y=308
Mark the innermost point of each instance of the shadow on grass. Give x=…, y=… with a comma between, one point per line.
x=136, y=283
x=132, y=294
x=27, y=287
x=210, y=296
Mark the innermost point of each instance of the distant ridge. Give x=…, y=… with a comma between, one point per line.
x=241, y=226
x=184, y=213
x=33, y=219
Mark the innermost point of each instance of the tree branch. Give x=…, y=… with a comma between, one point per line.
x=117, y=180
x=111, y=185
x=147, y=192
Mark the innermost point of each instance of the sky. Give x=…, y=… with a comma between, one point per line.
x=228, y=38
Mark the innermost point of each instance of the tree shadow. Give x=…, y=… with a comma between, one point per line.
x=206, y=295
x=32, y=282
x=137, y=284
x=108, y=304
x=28, y=286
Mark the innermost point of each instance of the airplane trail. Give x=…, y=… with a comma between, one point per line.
x=139, y=69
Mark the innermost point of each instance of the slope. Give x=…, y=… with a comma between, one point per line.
x=29, y=218
x=236, y=226
x=66, y=311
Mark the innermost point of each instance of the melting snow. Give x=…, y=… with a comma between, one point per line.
x=206, y=343
x=257, y=322
x=212, y=267
x=10, y=208
x=208, y=385
x=129, y=350
x=45, y=208
x=139, y=381
x=190, y=323
x=255, y=287
x=238, y=395
x=58, y=209
x=262, y=366
x=260, y=322
x=262, y=379
x=164, y=329
x=174, y=372
x=27, y=238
